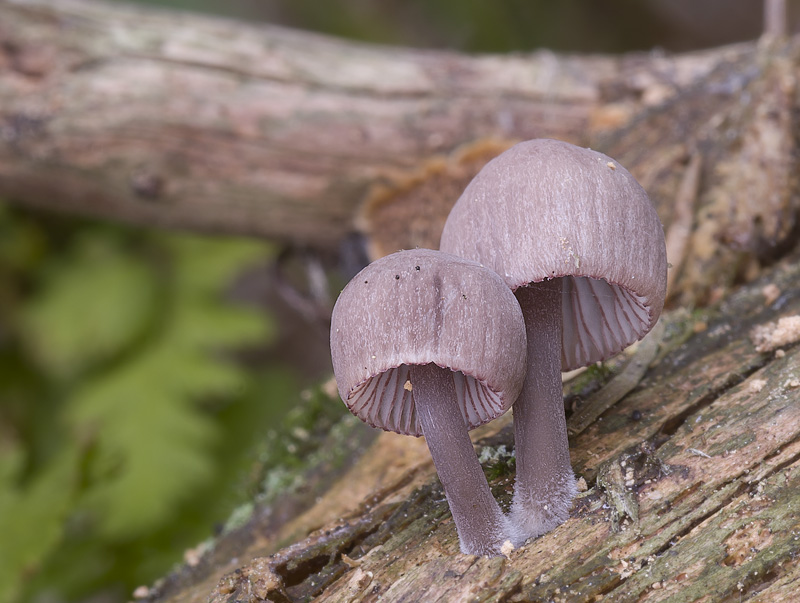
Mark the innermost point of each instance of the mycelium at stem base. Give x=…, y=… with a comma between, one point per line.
x=545, y=482
x=480, y=523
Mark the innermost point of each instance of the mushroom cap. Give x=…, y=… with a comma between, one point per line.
x=547, y=209
x=420, y=307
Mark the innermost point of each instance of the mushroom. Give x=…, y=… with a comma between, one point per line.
x=426, y=343
x=578, y=240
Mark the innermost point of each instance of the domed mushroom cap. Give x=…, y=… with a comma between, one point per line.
x=419, y=307
x=547, y=209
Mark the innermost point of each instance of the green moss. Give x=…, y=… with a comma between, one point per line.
x=732, y=444
x=317, y=431
x=240, y=516
x=498, y=462
x=591, y=380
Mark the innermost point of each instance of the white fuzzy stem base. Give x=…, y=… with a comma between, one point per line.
x=545, y=483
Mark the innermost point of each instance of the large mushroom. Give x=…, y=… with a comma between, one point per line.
x=426, y=343
x=578, y=240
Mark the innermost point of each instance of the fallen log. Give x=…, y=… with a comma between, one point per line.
x=690, y=488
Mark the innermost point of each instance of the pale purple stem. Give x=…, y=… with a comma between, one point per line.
x=479, y=521
x=545, y=483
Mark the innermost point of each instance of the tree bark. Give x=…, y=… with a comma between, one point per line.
x=691, y=482
x=178, y=120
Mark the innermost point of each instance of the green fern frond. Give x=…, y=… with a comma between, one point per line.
x=95, y=302
x=150, y=448
x=152, y=441
x=36, y=507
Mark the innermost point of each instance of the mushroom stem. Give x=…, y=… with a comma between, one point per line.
x=479, y=521
x=545, y=483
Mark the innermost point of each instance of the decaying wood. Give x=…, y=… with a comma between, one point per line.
x=719, y=157
x=742, y=121
x=172, y=119
x=692, y=481
x=194, y=122
x=620, y=385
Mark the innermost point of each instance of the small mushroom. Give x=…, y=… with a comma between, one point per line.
x=426, y=343
x=578, y=240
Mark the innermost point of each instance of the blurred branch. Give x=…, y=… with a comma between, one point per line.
x=775, y=17
x=179, y=120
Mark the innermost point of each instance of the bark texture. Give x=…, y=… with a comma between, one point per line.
x=690, y=488
x=180, y=120
x=185, y=121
